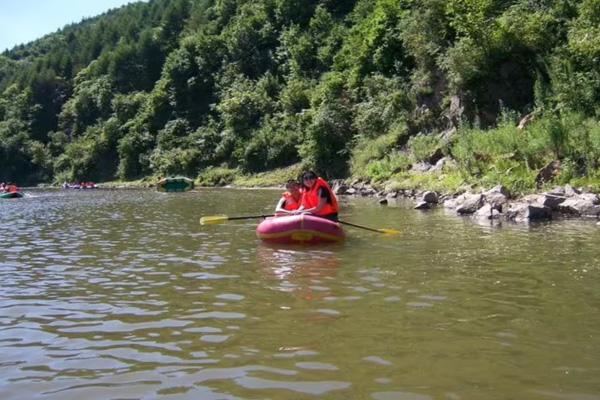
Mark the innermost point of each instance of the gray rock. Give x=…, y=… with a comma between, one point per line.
x=339, y=187
x=351, y=191
x=368, y=191
x=525, y=211
x=422, y=205
x=551, y=201
x=532, y=199
x=470, y=203
x=450, y=203
x=497, y=196
x=591, y=197
x=570, y=191
x=410, y=192
x=439, y=165
x=487, y=212
x=579, y=207
x=420, y=167
x=499, y=189
x=430, y=197
x=558, y=191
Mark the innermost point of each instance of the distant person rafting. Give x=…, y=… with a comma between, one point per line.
x=8, y=188
x=9, y=191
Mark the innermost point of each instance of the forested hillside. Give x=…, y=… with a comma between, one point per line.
x=363, y=88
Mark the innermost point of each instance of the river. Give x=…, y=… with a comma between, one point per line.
x=122, y=294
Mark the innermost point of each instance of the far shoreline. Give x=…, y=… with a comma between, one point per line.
x=491, y=204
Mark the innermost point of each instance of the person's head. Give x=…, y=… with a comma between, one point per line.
x=309, y=178
x=293, y=187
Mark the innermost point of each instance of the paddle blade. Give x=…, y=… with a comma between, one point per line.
x=389, y=231
x=213, y=219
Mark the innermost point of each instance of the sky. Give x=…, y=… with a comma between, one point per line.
x=22, y=21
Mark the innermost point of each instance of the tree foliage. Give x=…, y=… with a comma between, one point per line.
x=187, y=86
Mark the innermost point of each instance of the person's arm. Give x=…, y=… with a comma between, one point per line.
x=320, y=206
x=279, y=208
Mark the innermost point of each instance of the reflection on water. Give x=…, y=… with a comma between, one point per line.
x=122, y=294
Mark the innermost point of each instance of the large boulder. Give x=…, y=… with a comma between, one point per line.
x=525, y=211
x=570, y=191
x=487, y=212
x=558, y=191
x=368, y=191
x=339, y=186
x=430, y=197
x=451, y=202
x=497, y=197
x=470, y=203
x=422, y=205
x=579, y=206
x=551, y=201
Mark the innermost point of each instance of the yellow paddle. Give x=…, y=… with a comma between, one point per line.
x=219, y=219
x=386, y=231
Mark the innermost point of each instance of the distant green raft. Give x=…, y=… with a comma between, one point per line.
x=11, y=195
x=175, y=184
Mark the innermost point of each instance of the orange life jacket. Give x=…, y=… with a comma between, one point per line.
x=12, y=189
x=291, y=203
x=310, y=198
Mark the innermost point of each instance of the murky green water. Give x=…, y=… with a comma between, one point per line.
x=123, y=295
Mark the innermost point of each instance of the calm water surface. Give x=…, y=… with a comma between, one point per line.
x=123, y=295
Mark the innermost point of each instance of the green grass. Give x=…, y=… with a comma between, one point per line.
x=145, y=182
x=485, y=158
x=276, y=177
x=445, y=182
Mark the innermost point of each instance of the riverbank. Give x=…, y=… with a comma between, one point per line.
x=496, y=203
x=428, y=189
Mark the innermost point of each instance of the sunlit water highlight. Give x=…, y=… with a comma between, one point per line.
x=122, y=294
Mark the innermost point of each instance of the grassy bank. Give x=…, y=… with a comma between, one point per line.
x=213, y=177
x=475, y=158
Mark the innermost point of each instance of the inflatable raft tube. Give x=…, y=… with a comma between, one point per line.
x=303, y=228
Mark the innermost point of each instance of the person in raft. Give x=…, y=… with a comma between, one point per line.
x=290, y=200
x=317, y=197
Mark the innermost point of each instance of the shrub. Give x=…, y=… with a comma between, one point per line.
x=372, y=157
x=423, y=146
x=217, y=176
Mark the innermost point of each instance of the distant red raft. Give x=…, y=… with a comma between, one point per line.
x=303, y=228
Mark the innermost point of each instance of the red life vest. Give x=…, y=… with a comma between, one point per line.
x=291, y=203
x=12, y=189
x=310, y=198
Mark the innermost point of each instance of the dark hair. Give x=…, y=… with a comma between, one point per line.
x=292, y=182
x=309, y=174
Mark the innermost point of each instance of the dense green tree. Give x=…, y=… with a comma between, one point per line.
x=165, y=87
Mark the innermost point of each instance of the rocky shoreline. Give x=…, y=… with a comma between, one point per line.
x=493, y=204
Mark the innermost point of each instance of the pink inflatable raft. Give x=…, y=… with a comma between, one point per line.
x=303, y=228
